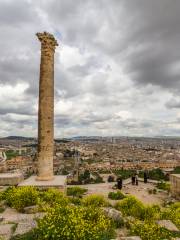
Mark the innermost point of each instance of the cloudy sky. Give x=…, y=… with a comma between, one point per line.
x=117, y=67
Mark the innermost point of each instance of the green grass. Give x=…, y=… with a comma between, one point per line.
x=11, y=154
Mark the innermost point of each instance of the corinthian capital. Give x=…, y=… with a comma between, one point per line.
x=47, y=40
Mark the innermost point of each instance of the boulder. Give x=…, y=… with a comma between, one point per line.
x=6, y=231
x=24, y=227
x=168, y=224
x=31, y=209
x=113, y=214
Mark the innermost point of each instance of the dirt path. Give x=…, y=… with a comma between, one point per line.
x=140, y=191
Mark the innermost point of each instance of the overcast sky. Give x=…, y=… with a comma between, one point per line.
x=117, y=67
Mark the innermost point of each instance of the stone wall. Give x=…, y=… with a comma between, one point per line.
x=10, y=179
x=175, y=185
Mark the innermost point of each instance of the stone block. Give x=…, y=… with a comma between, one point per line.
x=168, y=224
x=24, y=227
x=6, y=231
x=113, y=214
x=31, y=209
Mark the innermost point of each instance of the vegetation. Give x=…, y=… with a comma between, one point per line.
x=130, y=206
x=11, y=154
x=76, y=191
x=163, y=185
x=116, y=195
x=32, y=235
x=85, y=218
x=176, y=170
x=86, y=178
x=51, y=197
x=155, y=174
x=21, y=197
x=172, y=213
x=124, y=173
x=150, y=231
x=72, y=222
x=95, y=200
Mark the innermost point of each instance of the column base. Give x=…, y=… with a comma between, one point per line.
x=41, y=178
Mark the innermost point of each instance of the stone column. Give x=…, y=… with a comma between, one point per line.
x=46, y=107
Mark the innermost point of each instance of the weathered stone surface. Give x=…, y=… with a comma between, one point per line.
x=31, y=209
x=11, y=215
x=168, y=224
x=46, y=107
x=39, y=215
x=113, y=214
x=24, y=227
x=130, y=238
x=6, y=230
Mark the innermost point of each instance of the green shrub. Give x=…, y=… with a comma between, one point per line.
x=150, y=213
x=53, y=196
x=32, y=235
x=155, y=174
x=150, y=231
x=75, y=200
x=163, y=185
x=130, y=206
x=3, y=194
x=124, y=173
x=75, y=222
x=95, y=200
x=76, y=191
x=172, y=213
x=21, y=197
x=116, y=195
x=2, y=209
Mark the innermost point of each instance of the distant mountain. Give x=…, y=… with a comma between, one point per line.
x=18, y=138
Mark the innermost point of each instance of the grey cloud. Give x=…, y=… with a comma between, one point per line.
x=173, y=103
x=141, y=38
x=16, y=13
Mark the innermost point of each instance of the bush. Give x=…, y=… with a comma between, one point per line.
x=151, y=212
x=155, y=174
x=116, y=195
x=95, y=200
x=21, y=197
x=75, y=200
x=32, y=235
x=130, y=206
x=150, y=231
x=124, y=173
x=163, y=185
x=72, y=223
x=76, y=191
x=53, y=196
x=172, y=213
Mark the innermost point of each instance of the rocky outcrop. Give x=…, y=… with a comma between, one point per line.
x=169, y=225
x=113, y=214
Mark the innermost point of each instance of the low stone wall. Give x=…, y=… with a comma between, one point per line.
x=10, y=179
x=175, y=185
